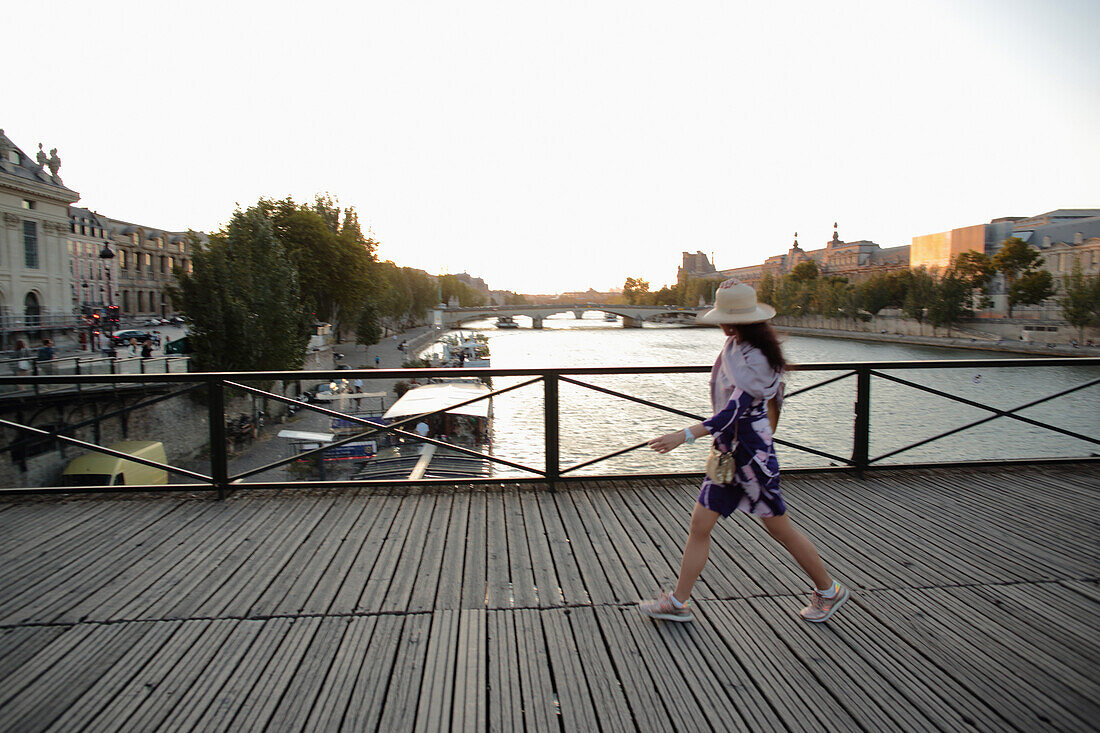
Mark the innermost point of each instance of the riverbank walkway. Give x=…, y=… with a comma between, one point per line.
x=975, y=606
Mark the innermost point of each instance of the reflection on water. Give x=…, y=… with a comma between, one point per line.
x=593, y=424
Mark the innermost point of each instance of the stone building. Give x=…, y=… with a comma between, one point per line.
x=35, y=273
x=146, y=257
x=94, y=275
x=852, y=260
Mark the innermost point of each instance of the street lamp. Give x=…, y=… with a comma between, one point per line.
x=106, y=255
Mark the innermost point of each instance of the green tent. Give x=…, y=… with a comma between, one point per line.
x=179, y=346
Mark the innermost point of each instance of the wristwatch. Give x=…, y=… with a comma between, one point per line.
x=689, y=437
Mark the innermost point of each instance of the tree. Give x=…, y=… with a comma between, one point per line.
x=368, y=328
x=765, y=293
x=949, y=297
x=877, y=292
x=919, y=294
x=1014, y=260
x=976, y=268
x=805, y=271
x=242, y=299
x=467, y=295
x=1031, y=288
x=634, y=290
x=1081, y=302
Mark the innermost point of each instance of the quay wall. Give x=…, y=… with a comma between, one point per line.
x=980, y=334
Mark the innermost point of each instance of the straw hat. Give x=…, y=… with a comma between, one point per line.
x=735, y=302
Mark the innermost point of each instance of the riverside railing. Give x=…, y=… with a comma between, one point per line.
x=547, y=382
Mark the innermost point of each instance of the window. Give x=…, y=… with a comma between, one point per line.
x=141, y=301
x=148, y=262
x=28, y=204
x=30, y=244
x=125, y=301
x=122, y=259
x=13, y=157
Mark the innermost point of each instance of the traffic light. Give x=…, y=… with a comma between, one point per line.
x=112, y=315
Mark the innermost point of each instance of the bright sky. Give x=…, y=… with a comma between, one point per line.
x=566, y=145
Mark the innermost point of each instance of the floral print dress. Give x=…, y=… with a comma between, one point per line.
x=741, y=384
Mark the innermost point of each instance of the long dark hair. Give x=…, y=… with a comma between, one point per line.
x=762, y=336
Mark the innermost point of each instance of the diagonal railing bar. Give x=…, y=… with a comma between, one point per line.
x=631, y=398
x=108, y=451
x=997, y=414
x=108, y=415
x=603, y=458
x=1005, y=413
x=814, y=451
x=393, y=427
x=818, y=384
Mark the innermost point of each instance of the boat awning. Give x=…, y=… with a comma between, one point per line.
x=432, y=397
x=302, y=435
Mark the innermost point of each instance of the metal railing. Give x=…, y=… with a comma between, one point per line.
x=551, y=470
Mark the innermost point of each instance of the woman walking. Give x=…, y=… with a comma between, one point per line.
x=744, y=380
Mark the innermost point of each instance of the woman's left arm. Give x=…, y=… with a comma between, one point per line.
x=667, y=442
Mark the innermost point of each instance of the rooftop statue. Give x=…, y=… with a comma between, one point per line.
x=54, y=162
x=41, y=157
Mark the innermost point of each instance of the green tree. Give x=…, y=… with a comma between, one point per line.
x=765, y=291
x=977, y=269
x=805, y=271
x=1030, y=288
x=1014, y=260
x=242, y=299
x=949, y=297
x=919, y=294
x=635, y=290
x=467, y=295
x=368, y=327
x=1081, y=301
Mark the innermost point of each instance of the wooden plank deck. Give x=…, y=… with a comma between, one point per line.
x=976, y=606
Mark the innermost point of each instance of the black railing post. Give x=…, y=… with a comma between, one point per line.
x=550, y=418
x=219, y=459
x=861, y=441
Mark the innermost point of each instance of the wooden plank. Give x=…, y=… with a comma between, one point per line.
x=305, y=560
x=498, y=570
x=787, y=686
x=643, y=694
x=412, y=554
x=257, y=708
x=354, y=583
x=968, y=664
x=475, y=559
x=505, y=699
x=574, y=699
x=18, y=644
x=604, y=685
x=536, y=688
x=426, y=582
x=389, y=555
x=593, y=575
x=453, y=565
x=270, y=559
x=157, y=570
x=437, y=684
x=143, y=686
x=519, y=554
x=570, y=580
x=402, y=697
x=333, y=696
x=632, y=555
x=175, y=684
x=186, y=710
x=45, y=658
x=369, y=694
x=581, y=515
x=471, y=682
x=326, y=585
x=304, y=685
x=227, y=700
x=546, y=584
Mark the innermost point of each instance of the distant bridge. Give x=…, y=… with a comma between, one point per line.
x=633, y=315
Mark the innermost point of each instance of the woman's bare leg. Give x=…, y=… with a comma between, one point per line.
x=800, y=547
x=696, y=550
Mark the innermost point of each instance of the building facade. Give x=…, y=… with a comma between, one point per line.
x=94, y=275
x=35, y=273
x=145, y=260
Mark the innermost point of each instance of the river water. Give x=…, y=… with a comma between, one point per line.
x=594, y=424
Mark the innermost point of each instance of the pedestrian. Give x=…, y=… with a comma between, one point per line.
x=146, y=349
x=377, y=362
x=746, y=392
x=24, y=355
x=45, y=355
x=133, y=346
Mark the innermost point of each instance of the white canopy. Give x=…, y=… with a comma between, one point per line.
x=432, y=397
x=302, y=435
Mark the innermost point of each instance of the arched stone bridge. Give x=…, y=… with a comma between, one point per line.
x=633, y=315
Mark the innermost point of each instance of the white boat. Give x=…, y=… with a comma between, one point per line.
x=464, y=425
x=507, y=322
x=610, y=317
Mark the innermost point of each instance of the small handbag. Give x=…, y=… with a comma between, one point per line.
x=721, y=467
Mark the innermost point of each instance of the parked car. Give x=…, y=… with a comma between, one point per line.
x=100, y=469
x=122, y=337
x=153, y=322
x=176, y=320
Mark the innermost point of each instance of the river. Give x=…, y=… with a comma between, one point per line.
x=594, y=424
